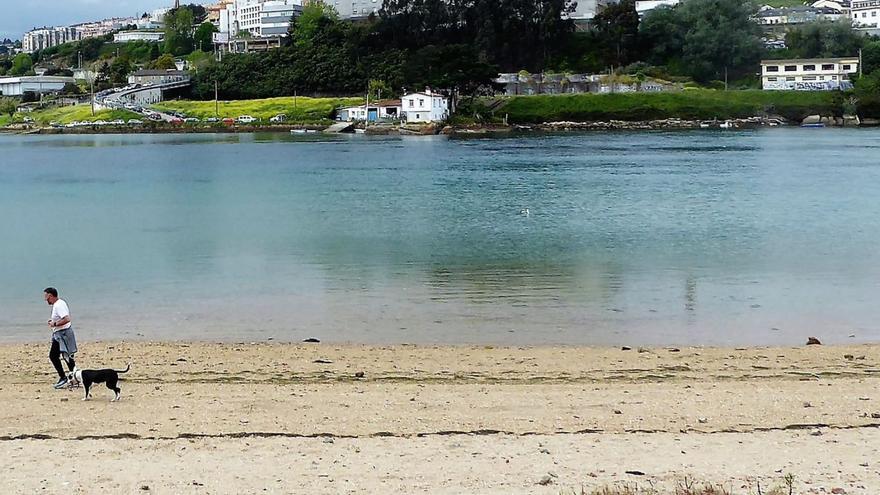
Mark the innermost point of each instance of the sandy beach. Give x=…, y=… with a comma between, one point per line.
x=317, y=418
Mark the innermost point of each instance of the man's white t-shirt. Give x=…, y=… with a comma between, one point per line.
x=59, y=312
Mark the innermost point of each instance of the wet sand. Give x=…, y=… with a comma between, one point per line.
x=316, y=418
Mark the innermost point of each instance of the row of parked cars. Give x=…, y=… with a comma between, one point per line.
x=115, y=123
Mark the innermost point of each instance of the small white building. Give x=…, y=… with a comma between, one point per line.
x=426, y=106
x=140, y=35
x=376, y=111
x=866, y=13
x=821, y=74
x=18, y=86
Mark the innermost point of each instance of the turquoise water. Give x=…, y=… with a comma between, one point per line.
x=747, y=237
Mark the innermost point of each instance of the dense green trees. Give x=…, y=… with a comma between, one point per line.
x=823, y=39
x=617, y=29
x=704, y=39
x=512, y=34
x=203, y=39
x=21, y=65
x=179, y=31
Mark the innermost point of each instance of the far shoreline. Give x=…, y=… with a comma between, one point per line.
x=467, y=130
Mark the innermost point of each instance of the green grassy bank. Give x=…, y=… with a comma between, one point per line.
x=699, y=104
x=304, y=109
x=66, y=115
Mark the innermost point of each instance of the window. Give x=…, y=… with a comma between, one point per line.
x=809, y=68
x=827, y=66
x=412, y=103
x=809, y=78
x=421, y=103
x=772, y=68
x=790, y=79
x=771, y=79
x=833, y=78
x=791, y=68
x=847, y=67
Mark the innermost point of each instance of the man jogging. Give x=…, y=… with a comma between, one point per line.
x=63, y=340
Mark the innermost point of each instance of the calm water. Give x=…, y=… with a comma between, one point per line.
x=752, y=237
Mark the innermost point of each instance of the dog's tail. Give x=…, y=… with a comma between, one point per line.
x=125, y=370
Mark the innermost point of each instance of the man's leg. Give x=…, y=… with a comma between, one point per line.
x=55, y=357
x=71, y=364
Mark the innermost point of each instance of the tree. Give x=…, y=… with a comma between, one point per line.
x=21, y=65
x=165, y=62
x=871, y=57
x=179, y=31
x=315, y=17
x=661, y=36
x=7, y=106
x=71, y=89
x=198, y=60
x=512, y=33
x=709, y=37
x=824, y=39
x=119, y=70
x=204, y=37
x=618, y=29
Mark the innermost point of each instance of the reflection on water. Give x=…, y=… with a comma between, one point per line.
x=649, y=238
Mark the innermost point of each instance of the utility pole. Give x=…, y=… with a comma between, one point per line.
x=367, y=109
x=725, y=78
x=216, y=100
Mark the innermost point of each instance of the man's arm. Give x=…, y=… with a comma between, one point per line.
x=60, y=323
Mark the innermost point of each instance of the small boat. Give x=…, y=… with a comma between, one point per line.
x=815, y=125
x=727, y=125
x=705, y=125
x=360, y=131
x=297, y=131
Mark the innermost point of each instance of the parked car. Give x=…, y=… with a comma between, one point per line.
x=191, y=120
x=177, y=121
x=228, y=121
x=135, y=122
x=278, y=118
x=212, y=120
x=245, y=119
x=117, y=122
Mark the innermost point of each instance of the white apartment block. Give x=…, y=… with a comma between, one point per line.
x=821, y=74
x=260, y=18
x=866, y=13
x=40, y=39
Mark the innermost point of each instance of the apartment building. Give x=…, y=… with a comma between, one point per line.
x=865, y=13
x=820, y=74
x=42, y=38
x=260, y=18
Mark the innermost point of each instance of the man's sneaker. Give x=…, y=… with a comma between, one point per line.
x=61, y=383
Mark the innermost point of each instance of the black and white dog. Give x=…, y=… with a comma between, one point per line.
x=89, y=377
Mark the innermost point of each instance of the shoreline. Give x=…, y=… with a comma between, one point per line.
x=356, y=419
x=466, y=130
